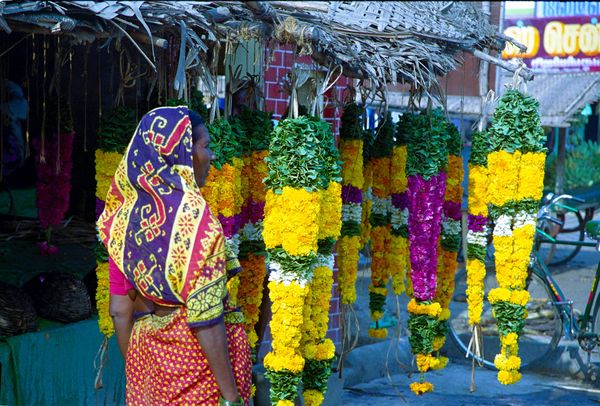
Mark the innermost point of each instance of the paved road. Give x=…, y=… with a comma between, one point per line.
x=452, y=388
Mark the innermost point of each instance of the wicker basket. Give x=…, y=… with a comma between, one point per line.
x=17, y=311
x=59, y=296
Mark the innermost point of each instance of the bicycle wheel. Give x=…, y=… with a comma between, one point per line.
x=542, y=331
x=572, y=229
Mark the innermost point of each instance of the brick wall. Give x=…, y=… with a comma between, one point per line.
x=276, y=100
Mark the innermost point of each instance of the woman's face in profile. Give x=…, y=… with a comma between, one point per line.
x=202, y=155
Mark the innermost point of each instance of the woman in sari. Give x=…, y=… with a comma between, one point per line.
x=168, y=270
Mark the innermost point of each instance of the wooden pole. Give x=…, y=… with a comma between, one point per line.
x=561, y=157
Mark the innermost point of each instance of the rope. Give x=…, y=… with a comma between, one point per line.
x=517, y=80
x=43, y=136
x=58, y=84
x=99, y=362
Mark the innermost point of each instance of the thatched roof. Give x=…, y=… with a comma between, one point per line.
x=559, y=104
x=382, y=41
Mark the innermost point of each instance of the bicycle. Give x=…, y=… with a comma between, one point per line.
x=549, y=311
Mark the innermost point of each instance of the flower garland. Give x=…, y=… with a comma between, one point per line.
x=380, y=223
x=257, y=126
x=516, y=167
x=451, y=231
x=399, y=209
x=301, y=164
x=427, y=158
x=113, y=136
x=478, y=229
x=223, y=192
x=53, y=183
x=351, y=153
x=367, y=196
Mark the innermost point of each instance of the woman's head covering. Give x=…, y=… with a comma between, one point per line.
x=155, y=215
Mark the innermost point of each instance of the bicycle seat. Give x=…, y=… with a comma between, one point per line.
x=592, y=229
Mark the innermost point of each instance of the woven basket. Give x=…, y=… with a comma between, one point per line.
x=60, y=297
x=17, y=311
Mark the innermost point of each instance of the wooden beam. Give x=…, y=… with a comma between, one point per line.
x=525, y=73
x=561, y=157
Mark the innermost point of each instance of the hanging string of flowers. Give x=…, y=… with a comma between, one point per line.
x=54, y=165
x=298, y=169
x=399, y=258
x=451, y=232
x=318, y=350
x=478, y=229
x=351, y=152
x=380, y=224
x=258, y=126
x=113, y=136
x=223, y=191
x=426, y=162
x=367, y=204
x=516, y=168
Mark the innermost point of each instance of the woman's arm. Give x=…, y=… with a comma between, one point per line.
x=213, y=340
x=121, y=311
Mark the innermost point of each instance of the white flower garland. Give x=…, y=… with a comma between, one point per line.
x=232, y=246
x=324, y=260
x=252, y=231
x=381, y=206
x=523, y=218
x=503, y=226
x=477, y=238
x=451, y=226
x=278, y=275
x=351, y=212
x=399, y=217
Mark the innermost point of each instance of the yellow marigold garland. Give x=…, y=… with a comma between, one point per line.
x=351, y=152
x=398, y=251
x=250, y=293
x=348, y=256
x=331, y=211
x=103, y=300
x=365, y=227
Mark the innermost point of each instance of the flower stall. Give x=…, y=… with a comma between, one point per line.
x=297, y=203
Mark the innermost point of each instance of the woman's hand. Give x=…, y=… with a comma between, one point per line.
x=213, y=340
x=121, y=310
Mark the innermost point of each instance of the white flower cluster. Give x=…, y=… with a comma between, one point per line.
x=252, y=231
x=503, y=226
x=477, y=238
x=278, y=275
x=351, y=212
x=381, y=206
x=523, y=218
x=324, y=260
x=399, y=217
x=451, y=226
x=368, y=194
x=232, y=246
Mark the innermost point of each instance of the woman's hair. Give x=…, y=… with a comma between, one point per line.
x=196, y=120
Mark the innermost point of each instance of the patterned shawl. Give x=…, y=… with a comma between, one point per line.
x=156, y=224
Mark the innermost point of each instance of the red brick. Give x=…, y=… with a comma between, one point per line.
x=275, y=91
x=329, y=113
x=334, y=321
x=334, y=335
x=288, y=60
x=276, y=59
x=304, y=59
x=271, y=75
x=334, y=306
x=281, y=107
x=271, y=106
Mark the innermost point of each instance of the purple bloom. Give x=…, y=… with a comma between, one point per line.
x=452, y=210
x=425, y=203
x=256, y=211
x=228, y=224
x=400, y=200
x=351, y=194
x=477, y=223
x=99, y=207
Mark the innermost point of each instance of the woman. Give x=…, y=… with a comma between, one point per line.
x=187, y=344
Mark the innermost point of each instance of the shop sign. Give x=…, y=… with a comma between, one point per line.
x=565, y=44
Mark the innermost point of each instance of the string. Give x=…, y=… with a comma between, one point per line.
x=58, y=67
x=85, y=96
x=43, y=137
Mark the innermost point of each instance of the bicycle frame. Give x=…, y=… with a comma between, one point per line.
x=572, y=328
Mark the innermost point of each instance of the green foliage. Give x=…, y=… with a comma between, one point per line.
x=66, y=118
x=427, y=145
x=302, y=154
x=475, y=251
x=401, y=231
x=450, y=242
x=423, y=329
x=316, y=374
x=223, y=142
x=582, y=167
x=326, y=246
x=196, y=103
x=480, y=148
x=512, y=208
x=379, y=220
x=404, y=127
x=255, y=247
x=100, y=252
x=368, y=144
x=258, y=126
x=510, y=317
x=384, y=139
x=284, y=385
x=117, y=129
x=351, y=128
x=350, y=228
x=516, y=124
x=376, y=302
x=454, y=139
x=299, y=266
